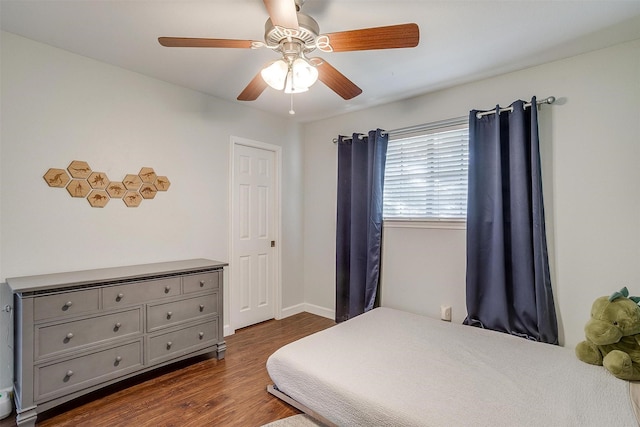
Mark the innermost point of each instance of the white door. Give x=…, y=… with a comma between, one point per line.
x=254, y=235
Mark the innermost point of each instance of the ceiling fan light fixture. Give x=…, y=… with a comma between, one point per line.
x=296, y=78
x=301, y=76
x=292, y=86
x=304, y=73
x=275, y=74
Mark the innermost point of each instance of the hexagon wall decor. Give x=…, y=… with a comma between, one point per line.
x=132, y=199
x=132, y=182
x=81, y=182
x=56, y=177
x=162, y=183
x=147, y=175
x=148, y=191
x=98, y=198
x=98, y=180
x=78, y=188
x=79, y=169
x=116, y=190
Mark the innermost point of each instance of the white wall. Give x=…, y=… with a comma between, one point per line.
x=58, y=107
x=590, y=143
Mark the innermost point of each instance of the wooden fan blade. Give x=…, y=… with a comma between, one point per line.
x=336, y=81
x=254, y=89
x=282, y=13
x=195, y=42
x=391, y=37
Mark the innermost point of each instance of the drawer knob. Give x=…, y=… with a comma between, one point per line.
x=70, y=335
x=201, y=307
x=69, y=374
x=167, y=289
x=68, y=304
x=118, y=359
x=119, y=297
x=169, y=344
x=169, y=314
x=201, y=283
x=117, y=325
x=201, y=335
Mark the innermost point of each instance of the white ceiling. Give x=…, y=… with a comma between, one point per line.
x=460, y=41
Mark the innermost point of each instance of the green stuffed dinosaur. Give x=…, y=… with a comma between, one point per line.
x=613, y=335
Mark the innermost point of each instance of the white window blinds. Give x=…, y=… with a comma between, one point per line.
x=426, y=174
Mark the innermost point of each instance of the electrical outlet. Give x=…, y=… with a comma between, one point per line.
x=445, y=313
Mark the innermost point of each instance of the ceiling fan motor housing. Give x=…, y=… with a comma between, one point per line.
x=306, y=34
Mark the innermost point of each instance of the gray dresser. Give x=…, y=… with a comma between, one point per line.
x=77, y=332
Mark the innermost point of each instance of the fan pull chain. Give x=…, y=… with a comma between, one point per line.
x=291, y=110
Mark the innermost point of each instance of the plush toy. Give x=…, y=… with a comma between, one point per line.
x=613, y=335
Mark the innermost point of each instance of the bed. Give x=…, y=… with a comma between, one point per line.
x=392, y=368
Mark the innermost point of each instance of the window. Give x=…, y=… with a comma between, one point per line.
x=426, y=173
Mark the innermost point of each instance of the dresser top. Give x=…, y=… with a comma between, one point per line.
x=113, y=274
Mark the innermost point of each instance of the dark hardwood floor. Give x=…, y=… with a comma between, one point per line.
x=203, y=392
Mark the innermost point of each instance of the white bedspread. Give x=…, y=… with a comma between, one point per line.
x=392, y=368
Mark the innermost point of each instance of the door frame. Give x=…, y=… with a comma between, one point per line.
x=277, y=224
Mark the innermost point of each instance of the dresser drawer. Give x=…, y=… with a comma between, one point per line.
x=201, y=282
x=67, y=336
x=65, y=304
x=183, y=341
x=84, y=371
x=138, y=292
x=169, y=313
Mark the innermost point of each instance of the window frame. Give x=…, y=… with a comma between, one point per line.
x=429, y=222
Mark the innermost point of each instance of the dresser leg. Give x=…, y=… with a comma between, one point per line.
x=222, y=348
x=27, y=417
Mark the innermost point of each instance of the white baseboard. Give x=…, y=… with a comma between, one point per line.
x=226, y=330
x=309, y=308
x=290, y=311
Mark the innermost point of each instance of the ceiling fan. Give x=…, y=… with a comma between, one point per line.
x=293, y=35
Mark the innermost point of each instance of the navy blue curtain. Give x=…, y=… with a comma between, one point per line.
x=508, y=280
x=361, y=163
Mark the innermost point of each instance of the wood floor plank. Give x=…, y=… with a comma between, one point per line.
x=203, y=392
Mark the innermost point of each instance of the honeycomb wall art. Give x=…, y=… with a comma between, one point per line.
x=82, y=182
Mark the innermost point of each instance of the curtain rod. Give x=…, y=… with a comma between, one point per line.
x=548, y=100
x=452, y=122
x=417, y=128
x=335, y=140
